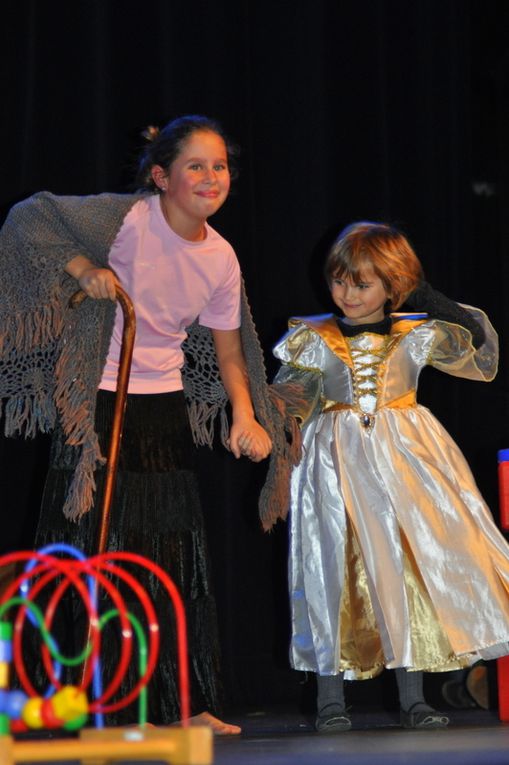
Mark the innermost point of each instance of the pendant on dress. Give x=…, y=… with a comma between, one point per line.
x=367, y=421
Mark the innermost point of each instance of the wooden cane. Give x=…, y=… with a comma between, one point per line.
x=124, y=368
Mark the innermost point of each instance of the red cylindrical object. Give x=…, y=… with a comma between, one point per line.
x=503, y=504
x=503, y=687
x=503, y=487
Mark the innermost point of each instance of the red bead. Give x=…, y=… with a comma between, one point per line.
x=49, y=718
x=18, y=726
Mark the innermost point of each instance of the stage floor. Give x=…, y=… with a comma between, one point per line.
x=475, y=737
x=276, y=737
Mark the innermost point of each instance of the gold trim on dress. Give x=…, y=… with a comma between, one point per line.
x=401, y=402
x=327, y=328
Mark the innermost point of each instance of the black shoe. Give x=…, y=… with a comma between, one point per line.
x=422, y=717
x=457, y=695
x=334, y=720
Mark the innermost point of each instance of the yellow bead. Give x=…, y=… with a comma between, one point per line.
x=31, y=714
x=4, y=674
x=69, y=702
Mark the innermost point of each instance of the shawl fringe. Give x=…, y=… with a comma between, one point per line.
x=27, y=330
x=28, y=416
x=81, y=493
x=202, y=418
x=74, y=407
x=288, y=393
x=274, y=499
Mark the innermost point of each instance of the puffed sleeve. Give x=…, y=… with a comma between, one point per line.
x=299, y=380
x=454, y=351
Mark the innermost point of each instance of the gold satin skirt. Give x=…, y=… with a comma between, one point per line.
x=395, y=560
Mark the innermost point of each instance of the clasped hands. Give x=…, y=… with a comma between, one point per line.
x=249, y=439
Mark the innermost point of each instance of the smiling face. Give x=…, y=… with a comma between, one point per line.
x=370, y=263
x=362, y=301
x=197, y=183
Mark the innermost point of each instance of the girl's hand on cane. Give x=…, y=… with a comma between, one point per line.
x=96, y=282
x=99, y=283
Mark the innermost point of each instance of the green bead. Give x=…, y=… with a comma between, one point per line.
x=5, y=725
x=77, y=723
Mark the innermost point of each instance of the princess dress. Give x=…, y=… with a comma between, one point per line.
x=395, y=560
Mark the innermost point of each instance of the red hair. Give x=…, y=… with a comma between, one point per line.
x=382, y=247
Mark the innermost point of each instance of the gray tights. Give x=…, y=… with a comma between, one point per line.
x=331, y=691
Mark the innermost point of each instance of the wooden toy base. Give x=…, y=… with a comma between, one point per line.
x=97, y=746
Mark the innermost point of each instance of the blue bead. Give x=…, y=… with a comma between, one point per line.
x=6, y=650
x=15, y=702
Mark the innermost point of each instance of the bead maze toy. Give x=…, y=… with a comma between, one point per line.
x=68, y=706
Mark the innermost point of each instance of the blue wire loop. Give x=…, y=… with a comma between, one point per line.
x=73, y=552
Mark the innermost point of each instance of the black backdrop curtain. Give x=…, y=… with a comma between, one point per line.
x=344, y=109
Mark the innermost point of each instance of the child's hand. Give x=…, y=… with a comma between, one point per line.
x=98, y=283
x=249, y=439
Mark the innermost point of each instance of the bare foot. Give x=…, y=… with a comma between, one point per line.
x=219, y=727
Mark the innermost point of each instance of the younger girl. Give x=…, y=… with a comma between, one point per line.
x=395, y=560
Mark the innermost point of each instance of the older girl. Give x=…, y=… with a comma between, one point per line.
x=60, y=367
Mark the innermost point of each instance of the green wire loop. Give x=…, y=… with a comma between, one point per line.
x=142, y=657
x=46, y=635
x=6, y=631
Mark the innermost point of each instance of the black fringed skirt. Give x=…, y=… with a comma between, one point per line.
x=156, y=512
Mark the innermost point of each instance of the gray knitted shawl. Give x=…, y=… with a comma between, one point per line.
x=52, y=357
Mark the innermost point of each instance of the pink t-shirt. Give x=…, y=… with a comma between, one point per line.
x=171, y=281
